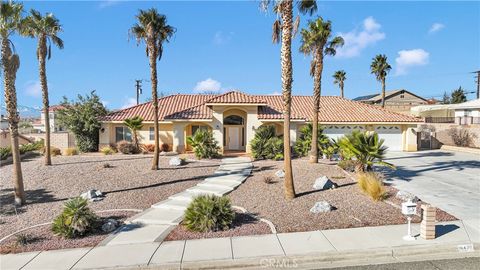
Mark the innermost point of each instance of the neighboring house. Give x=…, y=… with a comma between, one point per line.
x=466, y=113
x=3, y=123
x=54, y=125
x=234, y=116
x=397, y=100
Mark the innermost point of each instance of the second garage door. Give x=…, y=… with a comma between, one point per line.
x=392, y=136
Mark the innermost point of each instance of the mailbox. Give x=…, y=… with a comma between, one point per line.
x=409, y=208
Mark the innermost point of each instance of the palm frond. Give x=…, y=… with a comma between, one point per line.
x=307, y=6
x=276, y=31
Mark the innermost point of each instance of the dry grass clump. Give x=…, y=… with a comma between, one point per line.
x=268, y=179
x=54, y=151
x=70, y=151
x=372, y=185
x=107, y=150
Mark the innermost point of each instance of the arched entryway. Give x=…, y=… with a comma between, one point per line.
x=234, y=132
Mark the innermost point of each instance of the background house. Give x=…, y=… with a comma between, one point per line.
x=233, y=118
x=396, y=100
x=54, y=125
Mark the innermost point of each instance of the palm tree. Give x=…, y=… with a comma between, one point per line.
x=11, y=22
x=380, y=68
x=152, y=28
x=283, y=28
x=339, y=78
x=45, y=29
x=316, y=42
x=134, y=124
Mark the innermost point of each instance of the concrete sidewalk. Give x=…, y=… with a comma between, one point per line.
x=318, y=248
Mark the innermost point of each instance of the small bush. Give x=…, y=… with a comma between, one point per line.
x=54, y=151
x=268, y=179
x=107, y=165
x=128, y=148
x=208, y=213
x=266, y=145
x=461, y=137
x=107, y=150
x=70, y=152
x=165, y=147
x=5, y=152
x=372, y=185
x=75, y=220
x=29, y=147
x=203, y=144
x=22, y=239
x=347, y=165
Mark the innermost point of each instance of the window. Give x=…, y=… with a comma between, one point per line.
x=197, y=127
x=151, y=134
x=402, y=96
x=122, y=133
x=233, y=120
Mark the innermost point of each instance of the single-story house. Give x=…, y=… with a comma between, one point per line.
x=466, y=113
x=395, y=100
x=234, y=116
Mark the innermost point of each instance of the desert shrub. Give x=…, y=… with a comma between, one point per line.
x=266, y=145
x=165, y=147
x=367, y=149
x=209, y=213
x=461, y=137
x=107, y=150
x=29, y=147
x=304, y=141
x=148, y=148
x=372, y=185
x=347, y=165
x=128, y=148
x=75, y=220
x=5, y=152
x=54, y=151
x=268, y=179
x=22, y=239
x=203, y=144
x=70, y=151
x=107, y=165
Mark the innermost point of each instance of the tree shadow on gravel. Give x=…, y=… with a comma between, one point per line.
x=99, y=161
x=305, y=193
x=36, y=196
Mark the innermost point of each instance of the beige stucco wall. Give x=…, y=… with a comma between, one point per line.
x=107, y=137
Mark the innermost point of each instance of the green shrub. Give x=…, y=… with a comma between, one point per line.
x=203, y=144
x=266, y=145
x=209, y=213
x=304, y=142
x=372, y=185
x=5, y=152
x=72, y=151
x=29, y=147
x=347, y=165
x=107, y=150
x=75, y=220
x=128, y=148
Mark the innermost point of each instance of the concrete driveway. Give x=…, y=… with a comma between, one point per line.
x=448, y=180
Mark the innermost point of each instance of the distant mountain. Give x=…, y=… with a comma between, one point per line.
x=25, y=111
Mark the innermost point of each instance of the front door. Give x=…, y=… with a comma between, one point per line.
x=233, y=138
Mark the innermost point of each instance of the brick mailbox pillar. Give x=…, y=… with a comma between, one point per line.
x=427, y=227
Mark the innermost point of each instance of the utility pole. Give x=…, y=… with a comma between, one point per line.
x=138, y=85
x=478, y=83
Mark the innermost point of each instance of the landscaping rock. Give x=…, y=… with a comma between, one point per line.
x=110, y=225
x=92, y=195
x=176, y=161
x=280, y=174
x=323, y=183
x=321, y=207
x=406, y=196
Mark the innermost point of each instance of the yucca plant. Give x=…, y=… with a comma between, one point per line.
x=367, y=149
x=303, y=144
x=203, y=144
x=209, y=213
x=75, y=220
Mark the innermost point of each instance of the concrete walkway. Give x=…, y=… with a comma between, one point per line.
x=154, y=224
x=374, y=244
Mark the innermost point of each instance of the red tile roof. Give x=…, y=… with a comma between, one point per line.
x=55, y=108
x=332, y=109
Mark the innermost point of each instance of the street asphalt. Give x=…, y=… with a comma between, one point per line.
x=451, y=264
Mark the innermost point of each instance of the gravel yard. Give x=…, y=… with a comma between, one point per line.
x=128, y=184
x=352, y=207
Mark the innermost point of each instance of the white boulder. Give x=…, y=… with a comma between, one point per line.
x=175, y=161
x=280, y=174
x=323, y=183
x=92, y=195
x=110, y=225
x=406, y=196
x=321, y=207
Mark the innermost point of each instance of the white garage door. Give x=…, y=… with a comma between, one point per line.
x=335, y=132
x=392, y=136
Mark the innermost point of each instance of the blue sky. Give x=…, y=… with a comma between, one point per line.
x=432, y=47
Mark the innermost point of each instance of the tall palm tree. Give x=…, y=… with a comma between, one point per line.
x=152, y=28
x=339, y=78
x=134, y=124
x=11, y=22
x=316, y=42
x=45, y=29
x=380, y=68
x=283, y=28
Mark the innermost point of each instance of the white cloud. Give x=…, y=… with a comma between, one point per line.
x=410, y=58
x=33, y=89
x=221, y=38
x=356, y=41
x=436, y=27
x=106, y=102
x=275, y=93
x=129, y=102
x=107, y=3
x=208, y=85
